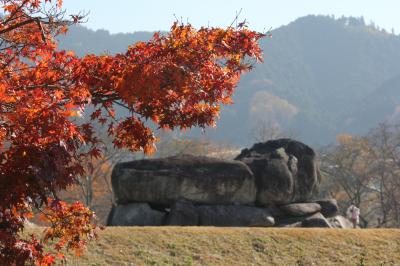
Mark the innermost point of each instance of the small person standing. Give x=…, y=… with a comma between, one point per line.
x=353, y=213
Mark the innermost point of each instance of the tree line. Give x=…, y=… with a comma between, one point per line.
x=365, y=171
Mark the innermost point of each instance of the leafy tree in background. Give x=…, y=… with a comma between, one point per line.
x=349, y=165
x=177, y=80
x=365, y=171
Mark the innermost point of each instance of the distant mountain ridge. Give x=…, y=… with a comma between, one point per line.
x=83, y=40
x=324, y=75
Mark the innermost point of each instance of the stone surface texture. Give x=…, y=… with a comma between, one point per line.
x=300, y=209
x=235, y=215
x=194, y=178
x=285, y=171
x=139, y=214
x=271, y=184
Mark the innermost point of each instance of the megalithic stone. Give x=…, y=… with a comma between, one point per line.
x=195, y=178
x=285, y=170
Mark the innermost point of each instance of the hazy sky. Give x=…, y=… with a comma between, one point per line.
x=150, y=15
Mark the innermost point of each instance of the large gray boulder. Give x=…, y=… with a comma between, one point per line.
x=329, y=207
x=235, y=215
x=316, y=220
x=290, y=225
x=300, y=209
x=183, y=213
x=290, y=221
x=286, y=171
x=135, y=214
x=194, y=178
x=340, y=222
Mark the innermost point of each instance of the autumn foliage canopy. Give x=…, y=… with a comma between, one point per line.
x=176, y=80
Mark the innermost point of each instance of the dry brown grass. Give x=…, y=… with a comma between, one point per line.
x=241, y=246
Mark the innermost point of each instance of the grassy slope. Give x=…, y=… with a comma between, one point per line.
x=241, y=246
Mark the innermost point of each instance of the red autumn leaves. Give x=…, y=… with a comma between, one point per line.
x=176, y=80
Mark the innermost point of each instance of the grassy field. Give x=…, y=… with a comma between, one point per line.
x=241, y=246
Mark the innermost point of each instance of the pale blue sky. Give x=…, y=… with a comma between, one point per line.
x=150, y=15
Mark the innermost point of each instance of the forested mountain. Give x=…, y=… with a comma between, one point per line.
x=83, y=40
x=321, y=76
